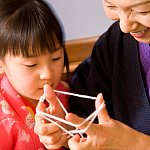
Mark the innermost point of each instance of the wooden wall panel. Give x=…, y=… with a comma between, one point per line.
x=78, y=50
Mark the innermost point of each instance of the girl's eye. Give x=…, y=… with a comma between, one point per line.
x=56, y=58
x=31, y=65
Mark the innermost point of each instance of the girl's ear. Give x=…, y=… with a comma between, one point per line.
x=1, y=68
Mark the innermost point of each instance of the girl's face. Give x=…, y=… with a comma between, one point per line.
x=134, y=16
x=28, y=75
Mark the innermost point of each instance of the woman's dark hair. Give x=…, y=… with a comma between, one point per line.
x=29, y=27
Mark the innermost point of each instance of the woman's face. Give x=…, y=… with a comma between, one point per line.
x=134, y=16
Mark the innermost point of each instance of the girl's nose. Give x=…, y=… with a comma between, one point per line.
x=46, y=73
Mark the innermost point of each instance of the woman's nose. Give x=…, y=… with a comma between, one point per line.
x=127, y=22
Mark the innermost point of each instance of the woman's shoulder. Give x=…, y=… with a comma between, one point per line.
x=112, y=33
x=111, y=41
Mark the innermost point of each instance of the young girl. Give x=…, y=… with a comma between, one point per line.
x=119, y=67
x=32, y=54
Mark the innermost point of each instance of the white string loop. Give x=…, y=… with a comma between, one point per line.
x=51, y=118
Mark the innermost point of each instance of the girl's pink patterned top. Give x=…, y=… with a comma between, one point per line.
x=17, y=119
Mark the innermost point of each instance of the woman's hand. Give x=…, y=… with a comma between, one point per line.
x=109, y=134
x=50, y=134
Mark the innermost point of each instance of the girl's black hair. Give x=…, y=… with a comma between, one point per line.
x=29, y=27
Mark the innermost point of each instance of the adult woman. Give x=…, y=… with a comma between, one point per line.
x=119, y=69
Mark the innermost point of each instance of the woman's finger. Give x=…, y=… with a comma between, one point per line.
x=103, y=116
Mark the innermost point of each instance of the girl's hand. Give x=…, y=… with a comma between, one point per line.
x=49, y=134
x=109, y=134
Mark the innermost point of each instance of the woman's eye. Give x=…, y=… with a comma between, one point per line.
x=112, y=7
x=141, y=12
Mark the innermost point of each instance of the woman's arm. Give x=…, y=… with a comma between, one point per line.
x=109, y=134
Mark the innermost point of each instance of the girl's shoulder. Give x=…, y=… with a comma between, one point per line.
x=6, y=111
x=63, y=85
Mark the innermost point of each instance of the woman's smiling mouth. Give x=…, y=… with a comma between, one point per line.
x=139, y=34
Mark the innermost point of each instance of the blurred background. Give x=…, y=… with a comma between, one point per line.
x=81, y=18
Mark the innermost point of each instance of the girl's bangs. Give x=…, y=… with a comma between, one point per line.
x=27, y=44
